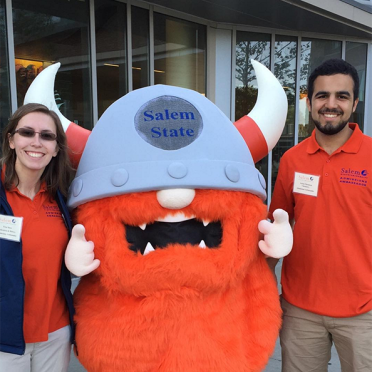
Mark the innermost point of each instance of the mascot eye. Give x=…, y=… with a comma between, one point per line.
x=160, y=234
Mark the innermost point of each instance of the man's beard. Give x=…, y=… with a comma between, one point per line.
x=330, y=129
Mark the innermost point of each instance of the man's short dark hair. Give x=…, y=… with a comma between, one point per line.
x=333, y=67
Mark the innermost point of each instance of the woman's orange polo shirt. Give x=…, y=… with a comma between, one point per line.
x=44, y=240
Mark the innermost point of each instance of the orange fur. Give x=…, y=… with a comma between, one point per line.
x=180, y=308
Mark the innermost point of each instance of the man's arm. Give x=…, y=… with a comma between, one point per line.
x=282, y=198
x=272, y=262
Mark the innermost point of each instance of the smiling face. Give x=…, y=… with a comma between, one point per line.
x=207, y=246
x=332, y=103
x=33, y=153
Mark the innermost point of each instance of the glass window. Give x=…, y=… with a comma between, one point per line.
x=356, y=54
x=111, y=49
x=55, y=31
x=249, y=46
x=180, y=53
x=313, y=53
x=5, y=109
x=140, y=47
x=285, y=71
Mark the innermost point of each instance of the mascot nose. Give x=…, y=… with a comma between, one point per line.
x=175, y=198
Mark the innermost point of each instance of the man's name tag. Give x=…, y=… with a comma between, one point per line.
x=10, y=227
x=306, y=184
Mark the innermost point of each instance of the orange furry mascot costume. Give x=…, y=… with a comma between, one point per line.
x=168, y=192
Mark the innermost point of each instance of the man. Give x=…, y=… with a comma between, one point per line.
x=325, y=185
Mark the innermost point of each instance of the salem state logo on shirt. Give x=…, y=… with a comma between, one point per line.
x=52, y=211
x=351, y=176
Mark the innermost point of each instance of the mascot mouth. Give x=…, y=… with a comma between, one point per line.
x=161, y=233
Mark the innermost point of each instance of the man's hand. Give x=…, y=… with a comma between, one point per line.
x=79, y=255
x=278, y=236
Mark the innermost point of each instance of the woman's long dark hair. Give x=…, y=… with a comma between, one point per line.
x=58, y=173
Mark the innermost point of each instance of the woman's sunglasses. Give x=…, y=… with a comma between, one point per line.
x=30, y=133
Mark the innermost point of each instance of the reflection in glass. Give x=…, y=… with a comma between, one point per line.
x=111, y=49
x=249, y=46
x=285, y=71
x=313, y=53
x=5, y=109
x=140, y=47
x=55, y=31
x=180, y=53
x=356, y=54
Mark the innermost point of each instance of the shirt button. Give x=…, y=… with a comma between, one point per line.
x=326, y=174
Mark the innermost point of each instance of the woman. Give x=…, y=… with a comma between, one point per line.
x=36, y=326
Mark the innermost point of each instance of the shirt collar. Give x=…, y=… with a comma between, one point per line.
x=352, y=145
x=43, y=188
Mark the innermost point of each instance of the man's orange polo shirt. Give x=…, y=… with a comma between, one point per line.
x=329, y=270
x=44, y=240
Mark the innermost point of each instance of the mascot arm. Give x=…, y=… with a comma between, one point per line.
x=278, y=236
x=79, y=255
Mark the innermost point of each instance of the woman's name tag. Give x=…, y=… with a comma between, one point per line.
x=10, y=227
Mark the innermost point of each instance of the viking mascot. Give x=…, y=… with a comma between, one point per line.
x=167, y=190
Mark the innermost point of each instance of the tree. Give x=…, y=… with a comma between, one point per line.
x=247, y=50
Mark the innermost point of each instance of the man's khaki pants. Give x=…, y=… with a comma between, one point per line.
x=306, y=339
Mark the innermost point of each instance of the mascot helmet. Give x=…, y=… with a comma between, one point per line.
x=164, y=137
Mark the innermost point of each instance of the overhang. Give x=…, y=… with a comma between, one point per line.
x=288, y=15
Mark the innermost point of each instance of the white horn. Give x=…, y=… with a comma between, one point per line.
x=263, y=126
x=42, y=91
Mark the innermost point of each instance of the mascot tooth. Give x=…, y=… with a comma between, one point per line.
x=167, y=190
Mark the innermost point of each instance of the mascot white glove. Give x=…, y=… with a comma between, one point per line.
x=278, y=236
x=79, y=255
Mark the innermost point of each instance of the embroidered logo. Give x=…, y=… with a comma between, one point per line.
x=52, y=211
x=354, y=176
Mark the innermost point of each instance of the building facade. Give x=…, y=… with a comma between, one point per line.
x=110, y=47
